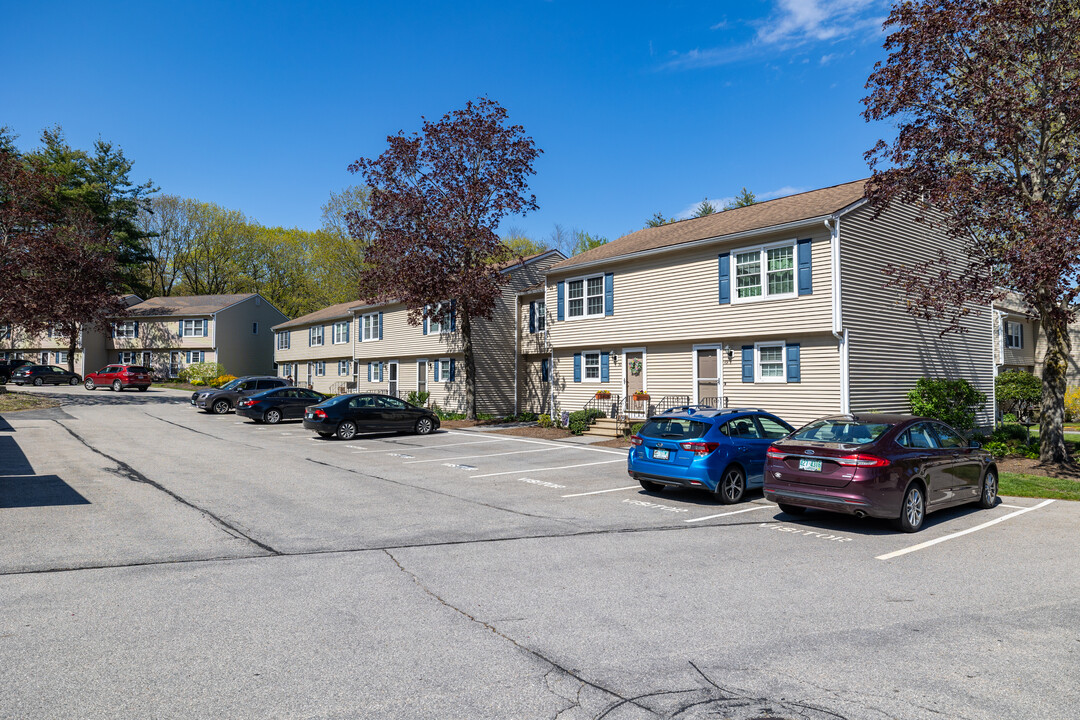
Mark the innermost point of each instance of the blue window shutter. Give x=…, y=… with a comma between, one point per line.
x=545, y=370
x=136, y=328
x=793, y=374
x=559, y=301
x=1021, y=337
x=577, y=367
x=452, y=363
x=114, y=330
x=380, y=371
x=453, y=317
x=532, y=316
x=806, y=279
x=348, y=327
x=380, y=325
x=609, y=293
x=205, y=327
x=181, y=328
x=748, y=363
x=604, y=367
x=369, y=371
x=425, y=324
x=435, y=372
x=724, y=273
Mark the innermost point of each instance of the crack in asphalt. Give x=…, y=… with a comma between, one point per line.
x=126, y=471
x=524, y=648
x=200, y=432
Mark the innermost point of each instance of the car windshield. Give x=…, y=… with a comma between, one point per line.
x=231, y=385
x=845, y=432
x=673, y=429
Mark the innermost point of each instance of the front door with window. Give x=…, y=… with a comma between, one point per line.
x=174, y=363
x=707, y=391
x=634, y=382
x=421, y=376
x=392, y=375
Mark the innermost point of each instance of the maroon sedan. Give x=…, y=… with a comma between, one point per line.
x=885, y=466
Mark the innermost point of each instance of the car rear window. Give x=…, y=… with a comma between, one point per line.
x=137, y=369
x=846, y=432
x=674, y=429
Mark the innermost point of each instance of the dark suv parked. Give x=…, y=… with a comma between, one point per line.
x=223, y=399
x=7, y=367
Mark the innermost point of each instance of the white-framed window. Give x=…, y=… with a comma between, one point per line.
x=769, y=362
x=436, y=326
x=194, y=328
x=5, y=331
x=765, y=272
x=541, y=316
x=254, y=328
x=341, y=332
x=127, y=329
x=127, y=358
x=284, y=339
x=315, y=336
x=442, y=370
x=61, y=356
x=585, y=297
x=193, y=356
x=320, y=368
x=343, y=367
x=590, y=366
x=369, y=325
x=1014, y=335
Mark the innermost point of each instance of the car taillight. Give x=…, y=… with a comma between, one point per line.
x=862, y=461
x=775, y=452
x=699, y=448
x=321, y=414
x=248, y=403
x=635, y=440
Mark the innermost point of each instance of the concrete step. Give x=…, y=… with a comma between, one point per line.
x=606, y=432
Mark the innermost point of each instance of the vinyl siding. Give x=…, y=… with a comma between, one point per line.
x=450, y=396
x=1072, y=372
x=674, y=296
x=531, y=343
x=241, y=351
x=1017, y=357
x=534, y=395
x=890, y=349
x=158, y=334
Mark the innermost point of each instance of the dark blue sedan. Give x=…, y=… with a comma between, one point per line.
x=722, y=451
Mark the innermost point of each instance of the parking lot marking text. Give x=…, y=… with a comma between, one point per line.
x=951, y=536
x=733, y=512
x=658, y=506
x=598, y=492
x=804, y=532
x=542, y=483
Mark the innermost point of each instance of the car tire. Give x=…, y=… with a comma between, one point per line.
x=424, y=426
x=38, y=382
x=988, y=495
x=912, y=510
x=89, y=384
x=791, y=509
x=324, y=434
x=117, y=386
x=272, y=416
x=732, y=486
x=73, y=381
x=220, y=407
x=144, y=388
x=346, y=430
x=652, y=487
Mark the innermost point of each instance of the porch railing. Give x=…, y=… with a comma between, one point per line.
x=609, y=406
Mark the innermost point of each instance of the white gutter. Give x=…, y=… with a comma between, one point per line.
x=838, y=330
x=517, y=348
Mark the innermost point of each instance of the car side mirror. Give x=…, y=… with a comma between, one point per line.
x=975, y=445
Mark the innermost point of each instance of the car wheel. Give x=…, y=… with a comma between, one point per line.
x=346, y=430
x=732, y=486
x=117, y=386
x=89, y=384
x=912, y=510
x=424, y=426
x=272, y=416
x=988, y=499
x=73, y=381
x=39, y=382
x=325, y=434
x=144, y=388
x=791, y=509
x=221, y=407
x=648, y=486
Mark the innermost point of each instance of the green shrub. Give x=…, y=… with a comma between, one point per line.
x=444, y=415
x=528, y=417
x=636, y=428
x=996, y=448
x=1009, y=418
x=418, y=398
x=1018, y=392
x=582, y=419
x=1009, y=433
x=205, y=372
x=954, y=402
x=545, y=421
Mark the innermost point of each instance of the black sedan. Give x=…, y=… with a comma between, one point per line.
x=42, y=374
x=273, y=406
x=347, y=415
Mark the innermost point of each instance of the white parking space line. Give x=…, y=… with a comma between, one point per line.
x=600, y=492
x=467, y=457
x=733, y=512
x=536, y=470
x=392, y=444
x=935, y=541
x=569, y=446
x=1014, y=507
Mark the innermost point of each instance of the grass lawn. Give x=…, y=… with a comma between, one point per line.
x=179, y=386
x=11, y=401
x=1038, y=486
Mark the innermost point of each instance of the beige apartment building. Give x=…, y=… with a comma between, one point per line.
x=316, y=350
x=167, y=334
x=780, y=305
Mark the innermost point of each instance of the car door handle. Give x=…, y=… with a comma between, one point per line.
x=923, y=458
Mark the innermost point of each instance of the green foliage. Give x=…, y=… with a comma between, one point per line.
x=582, y=419
x=528, y=417
x=545, y=421
x=636, y=428
x=202, y=373
x=705, y=208
x=1018, y=392
x=1009, y=418
x=444, y=415
x=743, y=199
x=418, y=398
x=658, y=219
x=584, y=241
x=1072, y=404
x=520, y=244
x=1011, y=441
x=954, y=402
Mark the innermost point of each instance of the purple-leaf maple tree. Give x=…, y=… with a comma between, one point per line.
x=437, y=198
x=986, y=100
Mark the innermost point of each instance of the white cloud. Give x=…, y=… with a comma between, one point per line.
x=719, y=203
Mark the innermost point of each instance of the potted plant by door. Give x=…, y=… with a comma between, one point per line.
x=641, y=396
x=603, y=394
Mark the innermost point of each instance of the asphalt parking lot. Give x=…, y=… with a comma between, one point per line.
x=162, y=562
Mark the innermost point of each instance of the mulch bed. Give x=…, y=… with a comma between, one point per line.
x=1024, y=466
x=13, y=401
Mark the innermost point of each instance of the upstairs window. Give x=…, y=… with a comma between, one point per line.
x=315, y=336
x=370, y=325
x=541, y=316
x=765, y=272
x=1014, y=335
x=341, y=332
x=585, y=297
x=127, y=329
x=284, y=340
x=194, y=328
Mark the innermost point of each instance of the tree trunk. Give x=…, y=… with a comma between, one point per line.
x=1052, y=412
x=73, y=343
x=470, y=362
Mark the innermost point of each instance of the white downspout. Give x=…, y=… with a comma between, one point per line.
x=517, y=348
x=838, y=330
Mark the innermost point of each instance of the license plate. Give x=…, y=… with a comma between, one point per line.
x=660, y=454
x=811, y=465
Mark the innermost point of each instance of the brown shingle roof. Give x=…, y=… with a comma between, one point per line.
x=186, y=305
x=333, y=312
x=759, y=216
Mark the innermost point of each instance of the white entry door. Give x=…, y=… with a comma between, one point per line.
x=707, y=373
x=392, y=376
x=421, y=375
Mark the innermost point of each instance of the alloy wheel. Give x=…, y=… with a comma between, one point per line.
x=732, y=486
x=913, y=508
x=423, y=426
x=89, y=385
x=346, y=430
x=117, y=386
x=272, y=417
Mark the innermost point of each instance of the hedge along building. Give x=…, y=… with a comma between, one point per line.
x=780, y=305
x=395, y=357
x=168, y=334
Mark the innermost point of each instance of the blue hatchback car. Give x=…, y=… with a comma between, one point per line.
x=722, y=451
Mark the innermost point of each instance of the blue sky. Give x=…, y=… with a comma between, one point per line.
x=639, y=106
